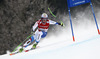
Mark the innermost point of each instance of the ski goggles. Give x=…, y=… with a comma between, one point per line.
x=44, y=18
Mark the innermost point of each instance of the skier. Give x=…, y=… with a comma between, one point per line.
x=42, y=25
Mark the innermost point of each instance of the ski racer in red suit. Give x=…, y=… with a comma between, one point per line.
x=41, y=32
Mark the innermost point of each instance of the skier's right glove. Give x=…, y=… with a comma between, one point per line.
x=32, y=24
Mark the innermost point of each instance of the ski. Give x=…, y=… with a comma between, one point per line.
x=14, y=53
x=28, y=50
x=20, y=52
x=23, y=51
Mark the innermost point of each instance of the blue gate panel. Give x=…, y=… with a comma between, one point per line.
x=72, y=3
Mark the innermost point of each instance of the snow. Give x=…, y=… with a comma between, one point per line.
x=88, y=49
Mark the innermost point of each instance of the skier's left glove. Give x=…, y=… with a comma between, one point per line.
x=60, y=23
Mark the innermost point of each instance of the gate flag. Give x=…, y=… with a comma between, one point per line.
x=73, y=3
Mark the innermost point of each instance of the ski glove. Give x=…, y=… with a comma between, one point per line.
x=60, y=23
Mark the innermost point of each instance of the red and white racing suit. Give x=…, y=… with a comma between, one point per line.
x=41, y=32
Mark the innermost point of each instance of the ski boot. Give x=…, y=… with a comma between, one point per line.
x=21, y=49
x=34, y=46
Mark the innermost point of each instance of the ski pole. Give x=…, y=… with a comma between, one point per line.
x=21, y=43
x=51, y=12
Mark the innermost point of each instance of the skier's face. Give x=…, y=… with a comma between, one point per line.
x=44, y=20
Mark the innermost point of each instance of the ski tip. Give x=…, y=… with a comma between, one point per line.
x=10, y=54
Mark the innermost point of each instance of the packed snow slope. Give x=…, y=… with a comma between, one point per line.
x=87, y=49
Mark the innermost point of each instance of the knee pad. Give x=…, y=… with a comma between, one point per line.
x=44, y=34
x=32, y=38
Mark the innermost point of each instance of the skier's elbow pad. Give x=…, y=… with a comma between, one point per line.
x=33, y=29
